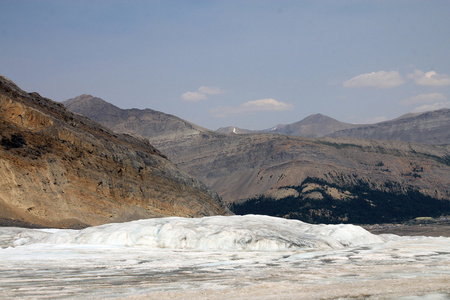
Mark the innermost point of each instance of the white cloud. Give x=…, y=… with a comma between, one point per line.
x=268, y=104
x=434, y=106
x=210, y=90
x=193, y=96
x=201, y=93
x=381, y=80
x=424, y=98
x=430, y=78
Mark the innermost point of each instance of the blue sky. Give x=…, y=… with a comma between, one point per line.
x=251, y=64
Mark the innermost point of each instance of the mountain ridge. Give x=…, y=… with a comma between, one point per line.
x=313, y=126
x=141, y=122
x=410, y=127
x=431, y=127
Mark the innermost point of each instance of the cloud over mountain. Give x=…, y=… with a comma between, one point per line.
x=380, y=80
x=433, y=106
x=430, y=78
x=201, y=93
x=429, y=101
x=424, y=98
x=267, y=104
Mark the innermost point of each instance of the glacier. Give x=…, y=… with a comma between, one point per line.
x=232, y=233
x=222, y=257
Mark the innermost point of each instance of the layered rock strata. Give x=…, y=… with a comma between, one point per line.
x=60, y=169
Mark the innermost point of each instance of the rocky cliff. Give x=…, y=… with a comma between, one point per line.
x=61, y=169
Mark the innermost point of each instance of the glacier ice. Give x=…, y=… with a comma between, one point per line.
x=212, y=257
x=231, y=233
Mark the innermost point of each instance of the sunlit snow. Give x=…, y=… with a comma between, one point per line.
x=246, y=257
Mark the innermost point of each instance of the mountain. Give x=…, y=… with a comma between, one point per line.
x=316, y=125
x=431, y=127
x=316, y=180
x=61, y=169
x=147, y=123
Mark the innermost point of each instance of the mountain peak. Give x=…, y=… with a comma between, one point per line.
x=315, y=125
x=86, y=98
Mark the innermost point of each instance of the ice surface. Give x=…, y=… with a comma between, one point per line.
x=236, y=257
x=251, y=232
x=12, y=237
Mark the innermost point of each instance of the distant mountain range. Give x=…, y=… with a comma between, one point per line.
x=330, y=179
x=432, y=127
x=60, y=169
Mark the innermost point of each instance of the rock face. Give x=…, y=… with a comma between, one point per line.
x=60, y=169
x=242, y=167
x=432, y=127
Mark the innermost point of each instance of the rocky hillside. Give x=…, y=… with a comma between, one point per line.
x=317, y=125
x=244, y=167
x=61, y=169
x=328, y=180
x=432, y=127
